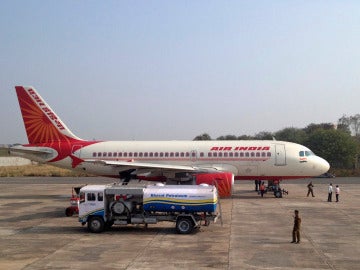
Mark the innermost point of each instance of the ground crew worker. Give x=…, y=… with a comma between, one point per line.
x=296, y=229
x=330, y=191
x=337, y=193
x=310, y=189
x=262, y=189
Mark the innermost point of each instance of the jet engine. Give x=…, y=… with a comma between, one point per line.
x=224, y=182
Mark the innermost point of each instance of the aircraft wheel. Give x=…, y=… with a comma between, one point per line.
x=69, y=212
x=278, y=194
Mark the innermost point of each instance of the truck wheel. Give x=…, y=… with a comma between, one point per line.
x=184, y=226
x=96, y=224
x=69, y=212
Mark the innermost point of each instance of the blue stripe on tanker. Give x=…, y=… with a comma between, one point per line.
x=175, y=207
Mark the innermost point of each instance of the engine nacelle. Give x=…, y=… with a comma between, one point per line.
x=224, y=182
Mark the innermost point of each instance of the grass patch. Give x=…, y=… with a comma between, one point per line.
x=38, y=170
x=4, y=152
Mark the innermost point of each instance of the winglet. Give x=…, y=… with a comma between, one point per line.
x=41, y=123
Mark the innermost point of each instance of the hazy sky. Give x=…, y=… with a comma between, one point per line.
x=171, y=70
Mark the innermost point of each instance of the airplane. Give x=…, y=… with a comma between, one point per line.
x=197, y=162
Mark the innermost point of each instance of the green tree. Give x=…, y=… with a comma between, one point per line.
x=351, y=123
x=313, y=127
x=245, y=137
x=336, y=146
x=264, y=135
x=227, y=137
x=291, y=134
x=202, y=137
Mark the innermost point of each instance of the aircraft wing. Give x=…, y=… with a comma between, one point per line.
x=154, y=166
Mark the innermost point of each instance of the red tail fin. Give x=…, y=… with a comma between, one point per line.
x=41, y=123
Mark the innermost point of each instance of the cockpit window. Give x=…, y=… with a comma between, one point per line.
x=306, y=153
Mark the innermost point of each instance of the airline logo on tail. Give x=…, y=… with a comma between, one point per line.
x=52, y=116
x=41, y=123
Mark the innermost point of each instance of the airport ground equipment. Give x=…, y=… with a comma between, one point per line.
x=74, y=202
x=188, y=206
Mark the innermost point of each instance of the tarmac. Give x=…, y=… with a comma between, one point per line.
x=255, y=232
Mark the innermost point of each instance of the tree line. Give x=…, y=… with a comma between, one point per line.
x=339, y=144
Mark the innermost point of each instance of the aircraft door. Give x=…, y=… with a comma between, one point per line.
x=280, y=155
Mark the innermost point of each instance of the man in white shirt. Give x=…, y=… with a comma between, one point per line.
x=330, y=190
x=337, y=193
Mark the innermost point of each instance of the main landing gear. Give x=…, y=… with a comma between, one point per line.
x=274, y=186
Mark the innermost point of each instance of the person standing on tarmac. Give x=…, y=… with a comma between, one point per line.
x=330, y=191
x=310, y=189
x=337, y=193
x=262, y=189
x=296, y=229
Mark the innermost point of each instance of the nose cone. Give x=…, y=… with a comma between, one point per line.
x=323, y=166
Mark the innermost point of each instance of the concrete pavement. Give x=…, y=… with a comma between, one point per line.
x=256, y=232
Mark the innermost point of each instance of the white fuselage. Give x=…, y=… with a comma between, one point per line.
x=245, y=159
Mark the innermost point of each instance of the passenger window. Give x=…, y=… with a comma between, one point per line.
x=269, y=154
x=94, y=154
x=100, y=197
